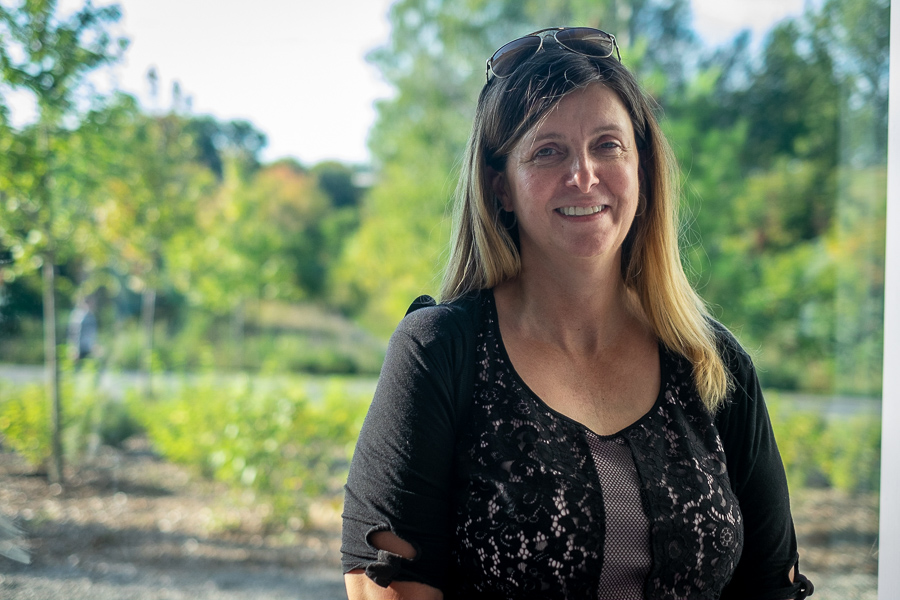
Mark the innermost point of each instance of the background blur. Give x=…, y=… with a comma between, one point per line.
x=172, y=284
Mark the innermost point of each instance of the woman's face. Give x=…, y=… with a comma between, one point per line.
x=573, y=181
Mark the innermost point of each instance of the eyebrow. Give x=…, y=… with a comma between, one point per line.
x=553, y=135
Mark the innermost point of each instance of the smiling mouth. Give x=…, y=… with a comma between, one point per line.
x=579, y=211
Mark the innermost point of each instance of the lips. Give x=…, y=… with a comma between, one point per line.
x=579, y=211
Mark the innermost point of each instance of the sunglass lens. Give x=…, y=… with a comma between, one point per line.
x=509, y=57
x=585, y=40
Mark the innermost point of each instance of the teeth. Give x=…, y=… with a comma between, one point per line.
x=580, y=211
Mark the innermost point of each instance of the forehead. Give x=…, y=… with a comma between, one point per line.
x=591, y=107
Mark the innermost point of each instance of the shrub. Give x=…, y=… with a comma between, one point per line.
x=25, y=422
x=828, y=452
x=272, y=439
x=89, y=416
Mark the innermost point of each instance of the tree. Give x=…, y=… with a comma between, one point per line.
x=256, y=237
x=784, y=160
x=220, y=141
x=152, y=187
x=857, y=34
x=337, y=180
x=48, y=54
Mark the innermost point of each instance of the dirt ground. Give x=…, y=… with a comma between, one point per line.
x=837, y=534
x=129, y=526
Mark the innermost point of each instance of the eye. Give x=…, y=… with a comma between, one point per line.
x=550, y=153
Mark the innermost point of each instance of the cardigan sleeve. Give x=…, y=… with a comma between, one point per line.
x=400, y=475
x=758, y=480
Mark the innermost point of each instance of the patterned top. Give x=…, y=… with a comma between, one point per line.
x=503, y=497
x=531, y=515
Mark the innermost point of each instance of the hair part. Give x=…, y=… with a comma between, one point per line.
x=485, y=252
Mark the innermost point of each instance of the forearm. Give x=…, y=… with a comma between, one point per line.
x=360, y=587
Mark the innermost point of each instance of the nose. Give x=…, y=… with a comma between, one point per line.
x=583, y=173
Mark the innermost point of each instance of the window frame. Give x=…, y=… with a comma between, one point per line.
x=889, y=518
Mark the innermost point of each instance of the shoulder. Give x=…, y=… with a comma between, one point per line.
x=429, y=323
x=435, y=339
x=429, y=366
x=745, y=403
x=743, y=420
x=736, y=359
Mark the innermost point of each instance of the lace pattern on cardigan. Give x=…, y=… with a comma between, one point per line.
x=529, y=519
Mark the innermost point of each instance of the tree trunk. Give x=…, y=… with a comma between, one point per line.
x=148, y=307
x=51, y=372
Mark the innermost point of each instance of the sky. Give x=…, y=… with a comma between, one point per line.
x=296, y=69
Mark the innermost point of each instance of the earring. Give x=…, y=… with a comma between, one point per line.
x=642, y=205
x=508, y=218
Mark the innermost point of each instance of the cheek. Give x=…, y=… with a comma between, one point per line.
x=529, y=187
x=631, y=182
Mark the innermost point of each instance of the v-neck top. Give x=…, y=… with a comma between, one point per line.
x=619, y=558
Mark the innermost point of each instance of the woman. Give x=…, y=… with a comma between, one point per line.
x=569, y=422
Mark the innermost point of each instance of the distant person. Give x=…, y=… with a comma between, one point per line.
x=82, y=330
x=569, y=422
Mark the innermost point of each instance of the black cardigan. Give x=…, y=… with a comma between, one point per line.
x=406, y=472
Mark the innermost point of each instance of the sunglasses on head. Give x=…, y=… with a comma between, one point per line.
x=581, y=40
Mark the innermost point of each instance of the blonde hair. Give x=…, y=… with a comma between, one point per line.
x=485, y=253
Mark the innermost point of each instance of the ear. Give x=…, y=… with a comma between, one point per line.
x=499, y=187
x=642, y=189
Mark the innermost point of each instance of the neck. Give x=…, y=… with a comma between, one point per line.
x=581, y=309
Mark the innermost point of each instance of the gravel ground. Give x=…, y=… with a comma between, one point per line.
x=838, y=538
x=128, y=526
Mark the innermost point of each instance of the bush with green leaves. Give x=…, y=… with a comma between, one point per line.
x=90, y=417
x=271, y=438
x=818, y=451
x=25, y=422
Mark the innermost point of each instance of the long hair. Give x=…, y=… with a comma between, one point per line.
x=484, y=250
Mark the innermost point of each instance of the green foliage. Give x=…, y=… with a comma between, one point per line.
x=337, y=181
x=43, y=53
x=396, y=255
x=259, y=236
x=269, y=438
x=148, y=191
x=25, y=422
x=113, y=423
x=218, y=142
x=23, y=345
x=851, y=454
x=819, y=451
x=91, y=418
x=207, y=343
x=48, y=56
x=785, y=196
